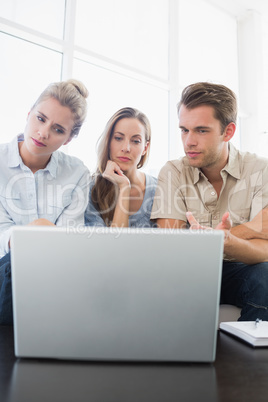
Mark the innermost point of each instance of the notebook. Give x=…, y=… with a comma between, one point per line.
x=253, y=332
x=116, y=294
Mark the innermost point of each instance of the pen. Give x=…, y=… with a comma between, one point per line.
x=257, y=322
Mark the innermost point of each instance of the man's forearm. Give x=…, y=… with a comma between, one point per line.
x=257, y=228
x=247, y=233
x=246, y=251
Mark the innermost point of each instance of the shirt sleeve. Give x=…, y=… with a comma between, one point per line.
x=5, y=233
x=169, y=201
x=6, y=221
x=73, y=214
x=259, y=181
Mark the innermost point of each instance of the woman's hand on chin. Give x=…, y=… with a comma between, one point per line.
x=115, y=175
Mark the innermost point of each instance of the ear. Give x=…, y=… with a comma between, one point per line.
x=229, y=132
x=145, y=148
x=69, y=140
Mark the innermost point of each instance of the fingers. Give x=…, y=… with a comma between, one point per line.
x=41, y=222
x=226, y=221
x=193, y=222
x=225, y=224
x=112, y=168
x=114, y=174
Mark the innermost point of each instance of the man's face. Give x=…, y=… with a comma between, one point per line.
x=204, y=143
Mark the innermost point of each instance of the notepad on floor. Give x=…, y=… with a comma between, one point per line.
x=255, y=333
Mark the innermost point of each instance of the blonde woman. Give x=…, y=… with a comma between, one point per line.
x=38, y=183
x=121, y=195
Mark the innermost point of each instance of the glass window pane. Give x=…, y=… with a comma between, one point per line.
x=131, y=32
x=108, y=93
x=202, y=48
x=25, y=70
x=44, y=16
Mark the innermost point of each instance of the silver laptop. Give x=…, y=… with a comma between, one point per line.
x=107, y=294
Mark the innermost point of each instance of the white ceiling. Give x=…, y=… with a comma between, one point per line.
x=239, y=7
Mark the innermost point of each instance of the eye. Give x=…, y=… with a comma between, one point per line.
x=184, y=131
x=117, y=138
x=40, y=118
x=136, y=141
x=59, y=130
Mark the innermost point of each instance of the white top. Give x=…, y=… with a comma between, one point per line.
x=58, y=193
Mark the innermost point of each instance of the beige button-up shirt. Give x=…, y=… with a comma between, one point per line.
x=183, y=188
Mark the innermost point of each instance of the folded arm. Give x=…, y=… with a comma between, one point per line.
x=257, y=228
x=249, y=242
x=246, y=243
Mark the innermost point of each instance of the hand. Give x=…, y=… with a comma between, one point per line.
x=38, y=222
x=115, y=175
x=193, y=222
x=41, y=222
x=225, y=224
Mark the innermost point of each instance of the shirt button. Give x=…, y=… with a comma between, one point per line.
x=213, y=193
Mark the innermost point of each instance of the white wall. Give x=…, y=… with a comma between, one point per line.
x=251, y=83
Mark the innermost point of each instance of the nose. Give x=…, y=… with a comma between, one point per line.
x=43, y=132
x=190, y=139
x=126, y=146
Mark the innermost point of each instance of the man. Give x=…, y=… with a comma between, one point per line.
x=214, y=185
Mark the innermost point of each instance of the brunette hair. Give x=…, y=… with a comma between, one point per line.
x=221, y=98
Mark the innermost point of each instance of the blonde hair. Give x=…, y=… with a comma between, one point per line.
x=104, y=193
x=71, y=93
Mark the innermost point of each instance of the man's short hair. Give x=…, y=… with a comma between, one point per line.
x=221, y=98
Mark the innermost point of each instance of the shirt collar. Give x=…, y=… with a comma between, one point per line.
x=52, y=165
x=233, y=165
x=14, y=158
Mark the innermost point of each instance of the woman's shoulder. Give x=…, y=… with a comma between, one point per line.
x=11, y=146
x=151, y=180
x=151, y=183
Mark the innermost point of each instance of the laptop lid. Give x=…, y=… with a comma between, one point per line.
x=107, y=294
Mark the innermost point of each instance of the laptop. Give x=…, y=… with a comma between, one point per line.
x=116, y=294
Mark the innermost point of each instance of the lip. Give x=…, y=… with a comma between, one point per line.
x=193, y=154
x=38, y=143
x=123, y=159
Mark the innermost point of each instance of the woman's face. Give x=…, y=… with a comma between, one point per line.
x=128, y=143
x=49, y=126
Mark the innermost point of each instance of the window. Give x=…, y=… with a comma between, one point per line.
x=27, y=69
x=119, y=53
x=127, y=53
x=130, y=35
x=43, y=16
